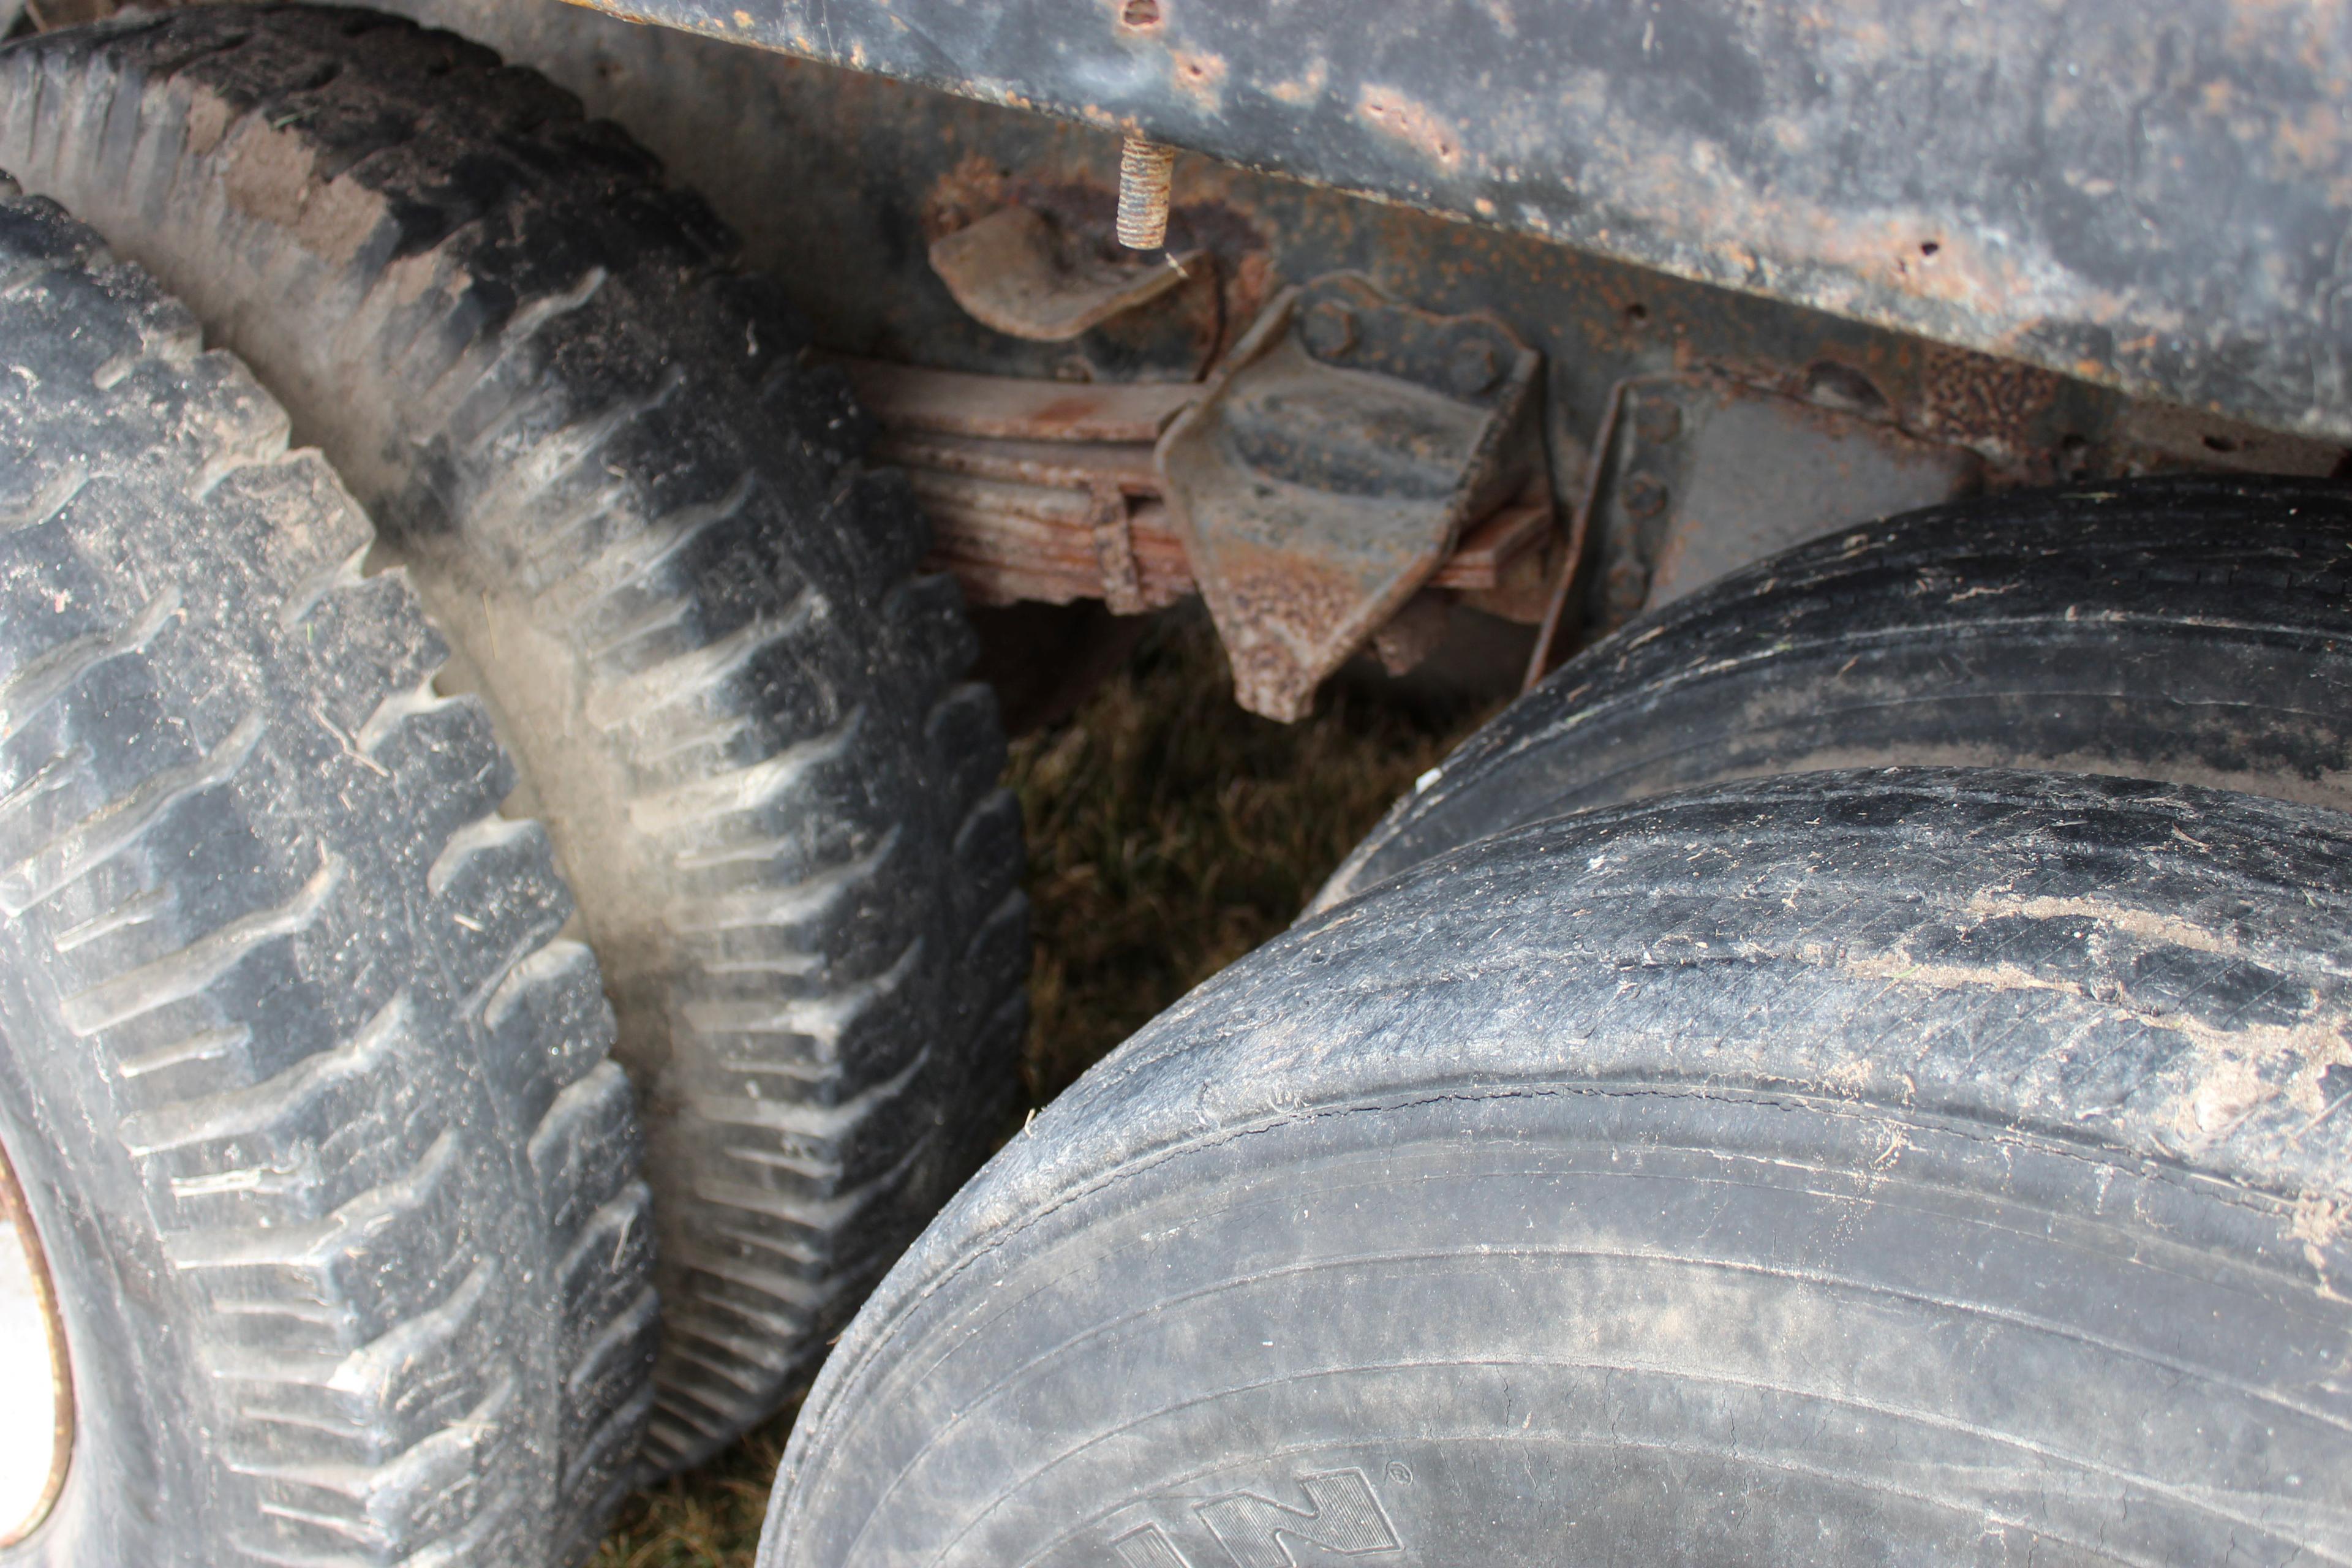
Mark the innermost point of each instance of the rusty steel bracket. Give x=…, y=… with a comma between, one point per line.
x=1018, y=271
x=1329, y=468
x=1698, y=475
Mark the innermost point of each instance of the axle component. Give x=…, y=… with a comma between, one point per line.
x=1050, y=491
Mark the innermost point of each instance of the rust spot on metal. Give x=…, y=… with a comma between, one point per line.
x=2152, y=436
x=1306, y=86
x=1997, y=406
x=1398, y=115
x=1199, y=77
x=955, y=403
x=1090, y=466
x=969, y=191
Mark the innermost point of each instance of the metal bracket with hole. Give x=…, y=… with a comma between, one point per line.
x=1332, y=466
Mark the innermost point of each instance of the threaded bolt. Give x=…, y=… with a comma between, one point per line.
x=1145, y=168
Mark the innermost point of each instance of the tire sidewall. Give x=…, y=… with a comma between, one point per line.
x=1010, y=1343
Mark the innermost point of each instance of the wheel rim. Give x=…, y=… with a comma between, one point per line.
x=35, y=1390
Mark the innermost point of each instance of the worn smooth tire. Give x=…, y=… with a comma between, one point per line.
x=308, y=1096
x=641, y=516
x=1906, y=1167
x=2197, y=629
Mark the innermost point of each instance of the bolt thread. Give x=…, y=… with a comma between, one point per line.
x=1145, y=169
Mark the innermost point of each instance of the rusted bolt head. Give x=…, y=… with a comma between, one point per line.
x=1623, y=588
x=1329, y=330
x=1472, y=367
x=1658, y=423
x=1643, y=495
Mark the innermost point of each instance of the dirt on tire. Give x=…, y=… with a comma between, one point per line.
x=640, y=513
x=308, y=1093
x=2194, y=628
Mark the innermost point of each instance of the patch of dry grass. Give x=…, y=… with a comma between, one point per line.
x=1170, y=833
x=709, y=1519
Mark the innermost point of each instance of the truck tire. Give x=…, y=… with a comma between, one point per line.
x=1902, y=1167
x=2197, y=629
x=309, y=1100
x=641, y=515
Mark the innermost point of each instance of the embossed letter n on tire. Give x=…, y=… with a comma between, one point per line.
x=1342, y=1515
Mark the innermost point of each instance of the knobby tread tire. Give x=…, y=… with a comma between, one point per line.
x=2192, y=629
x=1909, y=1166
x=643, y=519
x=336, y=1180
